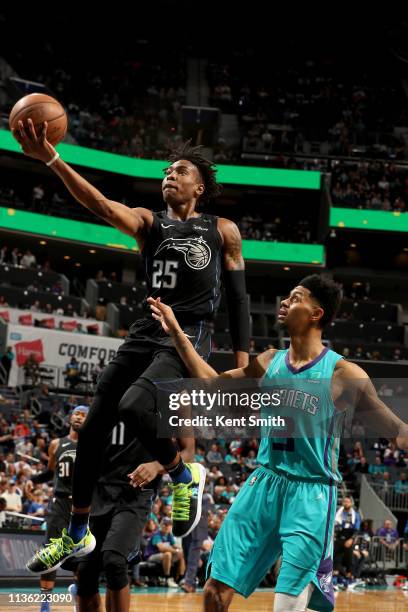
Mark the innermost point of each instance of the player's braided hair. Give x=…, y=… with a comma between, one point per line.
x=205, y=167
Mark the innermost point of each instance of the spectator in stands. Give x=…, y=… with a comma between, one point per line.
x=385, y=487
x=161, y=548
x=38, y=198
x=362, y=467
x=70, y=311
x=36, y=307
x=100, y=276
x=13, y=498
x=6, y=362
x=155, y=512
x=31, y=370
x=3, y=302
x=401, y=485
x=250, y=461
x=35, y=503
x=15, y=257
x=388, y=535
x=28, y=260
x=214, y=473
x=72, y=373
x=4, y=254
x=199, y=457
x=389, y=457
x=347, y=522
x=166, y=496
x=40, y=449
x=3, y=507
x=361, y=547
x=229, y=494
x=377, y=468
x=97, y=370
x=214, y=455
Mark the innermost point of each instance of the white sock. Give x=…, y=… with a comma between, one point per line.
x=292, y=603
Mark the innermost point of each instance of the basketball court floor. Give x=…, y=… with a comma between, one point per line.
x=161, y=600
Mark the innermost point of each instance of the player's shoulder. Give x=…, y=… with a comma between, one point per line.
x=145, y=214
x=227, y=226
x=348, y=369
x=261, y=362
x=54, y=444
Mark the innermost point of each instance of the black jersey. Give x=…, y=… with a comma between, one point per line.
x=64, y=466
x=123, y=454
x=183, y=264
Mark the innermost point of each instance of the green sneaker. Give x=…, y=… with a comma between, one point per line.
x=187, y=500
x=58, y=550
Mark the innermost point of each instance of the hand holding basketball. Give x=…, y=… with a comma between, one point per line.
x=34, y=146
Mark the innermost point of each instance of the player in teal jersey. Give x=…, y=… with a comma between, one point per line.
x=287, y=507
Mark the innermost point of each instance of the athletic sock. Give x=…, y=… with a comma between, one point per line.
x=78, y=525
x=180, y=473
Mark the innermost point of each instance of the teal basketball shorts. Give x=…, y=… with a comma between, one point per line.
x=274, y=516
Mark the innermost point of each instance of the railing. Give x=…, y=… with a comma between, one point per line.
x=391, y=497
x=372, y=505
x=395, y=555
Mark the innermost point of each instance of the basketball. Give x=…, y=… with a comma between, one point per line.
x=40, y=108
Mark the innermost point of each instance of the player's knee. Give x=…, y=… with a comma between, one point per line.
x=115, y=567
x=217, y=593
x=137, y=403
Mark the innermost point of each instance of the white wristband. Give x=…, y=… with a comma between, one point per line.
x=54, y=159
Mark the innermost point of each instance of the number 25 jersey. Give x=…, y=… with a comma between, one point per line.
x=182, y=262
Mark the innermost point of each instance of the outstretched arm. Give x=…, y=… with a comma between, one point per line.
x=234, y=281
x=131, y=221
x=195, y=364
x=353, y=383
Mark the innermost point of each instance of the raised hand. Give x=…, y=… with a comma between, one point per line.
x=34, y=146
x=164, y=313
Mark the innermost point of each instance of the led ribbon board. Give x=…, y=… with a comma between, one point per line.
x=153, y=169
x=105, y=236
x=355, y=218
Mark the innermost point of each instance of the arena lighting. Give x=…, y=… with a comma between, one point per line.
x=153, y=169
x=101, y=235
x=368, y=219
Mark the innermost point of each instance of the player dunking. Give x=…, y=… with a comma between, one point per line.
x=184, y=254
x=61, y=459
x=287, y=507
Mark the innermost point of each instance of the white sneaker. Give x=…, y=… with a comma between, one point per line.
x=357, y=585
x=171, y=583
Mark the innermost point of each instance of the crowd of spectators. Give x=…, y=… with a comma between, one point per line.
x=370, y=185
x=132, y=108
x=304, y=101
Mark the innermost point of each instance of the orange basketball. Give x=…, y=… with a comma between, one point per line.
x=40, y=108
